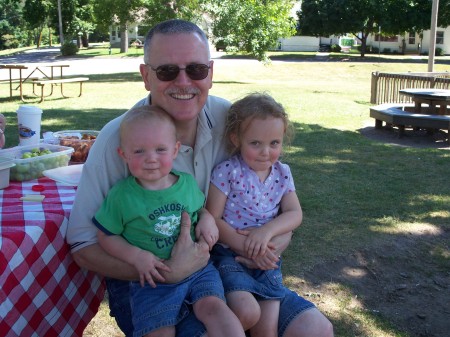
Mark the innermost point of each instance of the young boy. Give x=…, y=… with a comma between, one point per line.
x=139, y=223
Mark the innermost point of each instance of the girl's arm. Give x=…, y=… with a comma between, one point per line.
x=145, y=262
x=290, y=218
x=215, y=204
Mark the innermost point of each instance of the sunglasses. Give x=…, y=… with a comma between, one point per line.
x=169, y=72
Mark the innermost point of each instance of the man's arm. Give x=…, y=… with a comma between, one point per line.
x=187, y=257
x=94, y=258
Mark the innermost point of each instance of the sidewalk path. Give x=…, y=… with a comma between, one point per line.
x=78, y=66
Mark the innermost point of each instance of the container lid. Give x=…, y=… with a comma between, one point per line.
x=6, y=162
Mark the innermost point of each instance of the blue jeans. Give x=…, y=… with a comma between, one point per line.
x=291, y=306
x=263, y=284
x=168, y=304
x=120, y=309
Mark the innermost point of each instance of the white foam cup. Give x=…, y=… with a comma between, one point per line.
x=29, y=122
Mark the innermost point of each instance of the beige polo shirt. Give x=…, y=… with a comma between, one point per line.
x=104, y=167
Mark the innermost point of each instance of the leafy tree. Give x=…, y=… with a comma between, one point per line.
x=252, y=26
x=11, y=35
x=36, y=13
x=364, y=17
x=119, y=12
x=146, y=12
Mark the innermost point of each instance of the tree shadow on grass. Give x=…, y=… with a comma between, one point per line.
x=375, y=232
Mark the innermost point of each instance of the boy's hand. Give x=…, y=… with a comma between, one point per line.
x=147, y=265
x=206, y=228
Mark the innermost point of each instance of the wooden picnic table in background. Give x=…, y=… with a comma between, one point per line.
x=432, y=97
x=52, y=78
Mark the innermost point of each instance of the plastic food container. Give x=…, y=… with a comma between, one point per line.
x=31, y=160
x=5, y=166
x=80, y=140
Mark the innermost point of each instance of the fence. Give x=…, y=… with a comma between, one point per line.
x=385, y=86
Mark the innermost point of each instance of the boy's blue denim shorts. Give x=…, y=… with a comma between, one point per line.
x=263, y=284
x=291, y=306
x=167, y=304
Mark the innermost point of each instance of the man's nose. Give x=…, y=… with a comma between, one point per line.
x=182, y=77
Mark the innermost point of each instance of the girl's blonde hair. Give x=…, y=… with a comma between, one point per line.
x=255, y=105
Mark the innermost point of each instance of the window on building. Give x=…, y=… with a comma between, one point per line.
x=412, y=38
x=440, y=37
x=393, y=38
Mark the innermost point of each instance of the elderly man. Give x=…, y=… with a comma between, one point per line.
x=178, y=73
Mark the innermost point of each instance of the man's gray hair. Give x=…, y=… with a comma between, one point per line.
x=175, y=26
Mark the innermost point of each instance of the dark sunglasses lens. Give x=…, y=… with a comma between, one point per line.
x=167, y=73
x=197, y=71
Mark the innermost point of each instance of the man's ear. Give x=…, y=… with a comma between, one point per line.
x=145, y=76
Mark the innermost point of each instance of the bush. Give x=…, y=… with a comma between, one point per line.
x=386, y=50
x=9, y=41
x=439, y=52
x=335, y=48
x=69, y=48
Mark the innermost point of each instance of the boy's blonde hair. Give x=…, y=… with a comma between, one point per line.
x=255, y=105
x=145, y=113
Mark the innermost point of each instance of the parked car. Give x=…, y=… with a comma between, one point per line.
x=325, y=48
x=220, y=45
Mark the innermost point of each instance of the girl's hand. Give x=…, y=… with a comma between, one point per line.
x=257, y=241
x=264, y=262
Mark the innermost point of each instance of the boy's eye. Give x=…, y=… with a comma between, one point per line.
x=254, y=143
x=138, y=151
x=275, y=142
x=161, y=150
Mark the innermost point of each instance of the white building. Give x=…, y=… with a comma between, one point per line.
x=409, y=43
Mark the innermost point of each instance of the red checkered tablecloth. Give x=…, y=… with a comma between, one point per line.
x=43, y=292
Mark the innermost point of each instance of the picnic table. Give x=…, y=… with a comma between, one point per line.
x=434, y=98
x=43, y=291
x=40, y=76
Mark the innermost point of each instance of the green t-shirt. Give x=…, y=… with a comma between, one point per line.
x=148, y=219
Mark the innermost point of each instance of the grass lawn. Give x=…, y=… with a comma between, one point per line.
x=355, y=192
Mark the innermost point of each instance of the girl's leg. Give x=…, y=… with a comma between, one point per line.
x=219, y=320
x=267, y=325
x=245, y=307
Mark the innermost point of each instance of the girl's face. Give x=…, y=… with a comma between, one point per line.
x=260, y=143
x=149, y=149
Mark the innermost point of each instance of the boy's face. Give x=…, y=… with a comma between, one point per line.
x=149, y=148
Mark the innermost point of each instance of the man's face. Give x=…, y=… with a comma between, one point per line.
x=183, y=98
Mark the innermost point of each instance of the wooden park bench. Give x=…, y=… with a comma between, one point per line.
x=59, y=81
x=395, y=114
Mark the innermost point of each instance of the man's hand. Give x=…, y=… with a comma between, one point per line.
x=187, y=256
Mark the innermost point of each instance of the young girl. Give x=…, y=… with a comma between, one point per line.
x=252, y=197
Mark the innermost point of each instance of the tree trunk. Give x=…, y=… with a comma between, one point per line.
x=124, y=39
x=85, y=40
x=363, y=44
x=39, y=38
